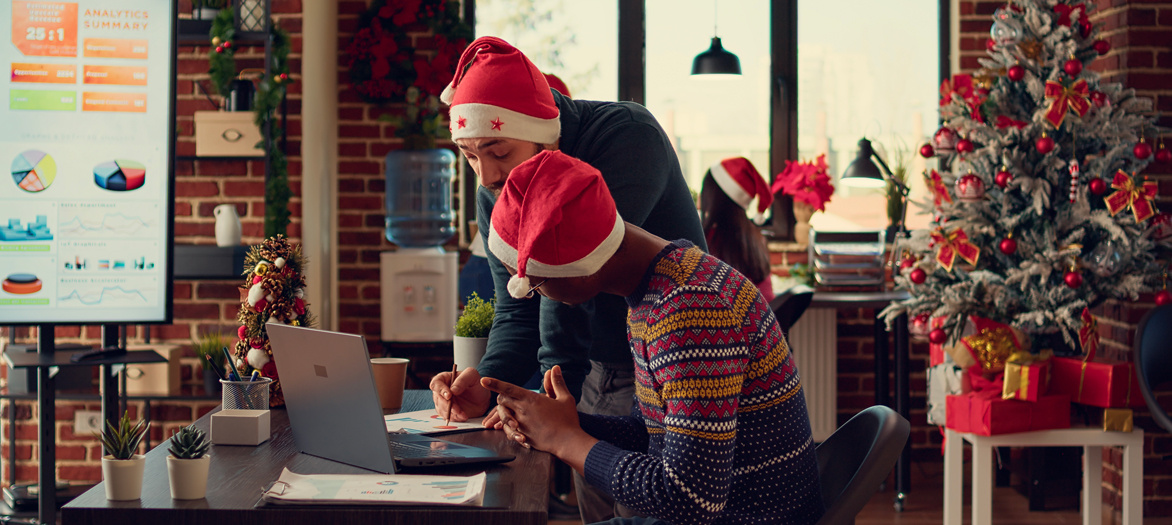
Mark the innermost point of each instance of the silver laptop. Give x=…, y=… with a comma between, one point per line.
x=334, y=409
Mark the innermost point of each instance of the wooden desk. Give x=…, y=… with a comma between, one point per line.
x=238, y=474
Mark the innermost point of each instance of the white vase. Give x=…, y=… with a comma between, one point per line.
x=468, y=351
x=207, y=13
x=188, y=477
x=228, y=231
x=123, y=477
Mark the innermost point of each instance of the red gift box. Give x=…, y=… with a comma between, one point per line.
x=1026, y=380
x=1105, y=384
x=986, y=414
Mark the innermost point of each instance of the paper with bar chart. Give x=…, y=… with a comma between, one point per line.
x=88, y=136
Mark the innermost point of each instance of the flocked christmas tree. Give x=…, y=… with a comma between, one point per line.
x=1040, y=208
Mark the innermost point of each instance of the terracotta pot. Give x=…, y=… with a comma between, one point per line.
x=123, y=477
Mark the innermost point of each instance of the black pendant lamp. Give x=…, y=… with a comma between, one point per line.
x=716, y=61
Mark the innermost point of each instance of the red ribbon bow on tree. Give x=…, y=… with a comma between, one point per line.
x=1088, y=334
x=1066, y=99
x=1139, y=198
x=936, y=186
x=949, y=245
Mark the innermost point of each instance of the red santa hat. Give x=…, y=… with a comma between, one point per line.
x=498, y=92
x=554, y=218
x=556, y=84
x=742, y=183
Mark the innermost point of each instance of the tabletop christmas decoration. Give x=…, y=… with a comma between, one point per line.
x=1046, y=201
x=805, y=181
x=273, y=291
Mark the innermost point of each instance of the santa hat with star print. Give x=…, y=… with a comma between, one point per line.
x=554, y=218
x=498, y=92
x=741, y=182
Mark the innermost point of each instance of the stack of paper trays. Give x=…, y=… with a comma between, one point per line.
x=375, y=489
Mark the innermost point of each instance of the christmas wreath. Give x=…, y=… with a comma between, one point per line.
x=386, y=67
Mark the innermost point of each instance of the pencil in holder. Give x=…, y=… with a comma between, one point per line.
x=246, y=395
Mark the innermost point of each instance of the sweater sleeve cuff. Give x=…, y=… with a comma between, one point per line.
x=601, y=464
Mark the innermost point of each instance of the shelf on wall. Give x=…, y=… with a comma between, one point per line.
x=209, y=262
x=196, y=32
x=218, y=157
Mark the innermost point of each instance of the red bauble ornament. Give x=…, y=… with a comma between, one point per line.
x=1085, y=27
x=1102, y=47
x=1072, y=67
x=990, y=44
x=1008, y=246
x=1142, y=150
x=1099, y=98
x=1098, y=186
x=1073, y=279
x=1161, y=226
x=283, y=76
x=945, y=140
x=1163, y=298
x=1003, y=178
x=926, y=151
x=920, y=325
x=1016, y=73
x=970, y=188
x=228, y=45
x=1044, y=145
x=964, y=146
x=937, y=336
x=219, y=49
x=1163, y=155
x=918, y=276
x=906, y=263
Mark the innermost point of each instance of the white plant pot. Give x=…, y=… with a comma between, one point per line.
x=468, y=351
x=188, y=477
x=207, y=13
x=123, y=477
x=228, y=229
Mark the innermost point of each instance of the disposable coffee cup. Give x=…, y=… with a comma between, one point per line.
x=390, y=377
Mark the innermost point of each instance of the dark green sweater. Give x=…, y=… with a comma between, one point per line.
x=624, y=142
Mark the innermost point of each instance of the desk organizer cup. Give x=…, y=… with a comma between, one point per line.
x=246, y=395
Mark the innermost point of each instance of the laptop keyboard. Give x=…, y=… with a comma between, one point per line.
x=418, y=450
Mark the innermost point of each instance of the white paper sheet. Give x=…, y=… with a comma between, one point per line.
x=375, y=489
x=428, y=422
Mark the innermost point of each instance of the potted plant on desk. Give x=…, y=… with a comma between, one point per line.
x=472, y=328
x=122, y=468
x=211, y=357
x=187, y=466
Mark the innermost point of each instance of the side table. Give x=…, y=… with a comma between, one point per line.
x=1091, y=439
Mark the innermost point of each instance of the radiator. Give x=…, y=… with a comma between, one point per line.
x=814, y=342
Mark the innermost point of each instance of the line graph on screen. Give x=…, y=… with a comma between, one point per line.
x=77, y=222
x=106, y=294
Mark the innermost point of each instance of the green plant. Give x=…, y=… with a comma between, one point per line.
x=901, y=158
x=208, y=349
x=122, y=441
x=802, y=273
x=189, y=443
x=476, y=319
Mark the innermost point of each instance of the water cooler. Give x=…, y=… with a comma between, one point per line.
x=419, y=280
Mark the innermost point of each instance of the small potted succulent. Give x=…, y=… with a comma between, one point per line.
x=187, y=466
x=122, y=467
x=472, y=328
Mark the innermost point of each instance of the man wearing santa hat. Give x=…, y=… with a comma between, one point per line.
x=503, y=112
x=722, y=434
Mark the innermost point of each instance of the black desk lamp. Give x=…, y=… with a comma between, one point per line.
x=862, y=173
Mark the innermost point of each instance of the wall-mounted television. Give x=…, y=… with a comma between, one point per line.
x=87, y=135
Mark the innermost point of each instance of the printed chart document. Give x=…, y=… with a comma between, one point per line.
x=428, y=422
x=375, y=489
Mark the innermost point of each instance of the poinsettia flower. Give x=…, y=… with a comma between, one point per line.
x=379, y=68
x=400, y=12
x=432, y=77
x=385, y=47
x=806, y=182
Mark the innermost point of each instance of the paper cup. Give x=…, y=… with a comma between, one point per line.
x=390, y=377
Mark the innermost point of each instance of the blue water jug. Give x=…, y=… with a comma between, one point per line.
x=419, y=197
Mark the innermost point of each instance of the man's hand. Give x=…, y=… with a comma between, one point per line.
x=547, y=422
x=467, y=398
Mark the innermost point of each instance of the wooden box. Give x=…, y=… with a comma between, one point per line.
x=155, y=379
x=227, y=134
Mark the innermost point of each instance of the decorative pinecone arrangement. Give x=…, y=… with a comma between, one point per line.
x=274, y=290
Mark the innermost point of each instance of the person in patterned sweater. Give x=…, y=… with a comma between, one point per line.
x=720, y=432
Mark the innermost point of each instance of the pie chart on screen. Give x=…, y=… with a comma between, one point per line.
x=120, y=175
x=34, y=170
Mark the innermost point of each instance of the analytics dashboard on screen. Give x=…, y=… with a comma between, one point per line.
x=87, y=136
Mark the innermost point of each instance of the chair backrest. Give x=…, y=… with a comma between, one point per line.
x=788, y=306
x=1153, y=358
x=855, y=460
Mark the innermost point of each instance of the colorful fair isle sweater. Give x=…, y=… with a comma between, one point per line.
x=721, y=434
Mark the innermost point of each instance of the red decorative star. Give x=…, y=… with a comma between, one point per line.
x=461, y=123
x=496, y=124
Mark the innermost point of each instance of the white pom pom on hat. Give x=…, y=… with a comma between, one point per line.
x=257, y=358
x=555, y=218
x=742, y=183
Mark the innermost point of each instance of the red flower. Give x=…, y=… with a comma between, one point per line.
x=401, y=12
x=269, y=370
x=806, y=181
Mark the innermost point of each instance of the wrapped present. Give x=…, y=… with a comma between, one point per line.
x=1027, y=376
x=991, y=343
x=1096, y=382
x=1117, y=420
x=944, y=379
x=986, y=414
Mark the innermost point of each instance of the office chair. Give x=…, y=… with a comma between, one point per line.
x=788, y=306
x=855, y=460
x=1153, y=359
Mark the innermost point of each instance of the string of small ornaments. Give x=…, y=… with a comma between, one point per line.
x=274, y=291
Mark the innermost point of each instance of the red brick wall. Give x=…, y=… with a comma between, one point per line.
x=1140, y=32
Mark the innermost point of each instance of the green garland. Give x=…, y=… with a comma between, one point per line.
x=270, y=91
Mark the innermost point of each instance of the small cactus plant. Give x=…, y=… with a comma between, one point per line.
x=189, y=443
x=121, y=442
